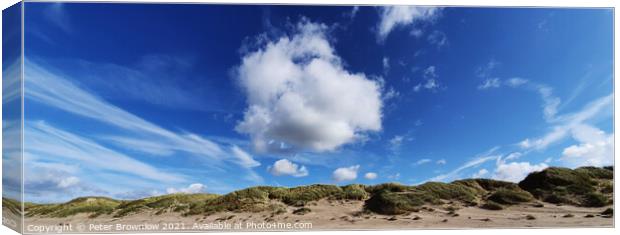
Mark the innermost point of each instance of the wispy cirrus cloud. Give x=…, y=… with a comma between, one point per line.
x=56, y=14
x=594, y=146
x=351, y=14
x=550, y=101
x=475, y=162
x=169, y=81
x=43, y=139
x=11, y=82
x=244, y=159
x=130, y=135
x=52, y=181
x=50, y=89
x=563, y=125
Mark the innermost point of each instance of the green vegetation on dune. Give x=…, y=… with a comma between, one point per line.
x=258, y=198
x=12, y=205
x=353, y=192
x=396, y=199
x=250, y=200
x=392, y=187
x=173, y=202
x=299, y=196
x=597, y=172
x=486, y=185
x=492, y=206
x=94, y=206
x=594, y=199
x=585, y=186
x=393, y=203
x=448, y=191
x=510, y=196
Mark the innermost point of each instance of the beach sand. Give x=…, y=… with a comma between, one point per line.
x=333, y=215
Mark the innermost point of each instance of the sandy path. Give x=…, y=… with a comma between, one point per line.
x=335, y=215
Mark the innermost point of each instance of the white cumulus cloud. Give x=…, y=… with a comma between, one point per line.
x=395, y=16
x=299, y=94
x=481, y=173
x=396, y=142
x=516, y=171
x=595, y=148
x=516, y=82
x=437, y=38
x=489, y=83
x=386, y=65
x=68, y=182
x=423, y=161
x=370, y=175
x=346, y=173
x=192, y=188
x=431, y=83
x=286, y=167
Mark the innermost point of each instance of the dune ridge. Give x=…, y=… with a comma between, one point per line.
x=581, y=187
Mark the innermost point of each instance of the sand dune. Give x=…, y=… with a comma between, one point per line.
x=552, y=198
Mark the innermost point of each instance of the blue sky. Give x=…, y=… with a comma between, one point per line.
x=133, y=100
